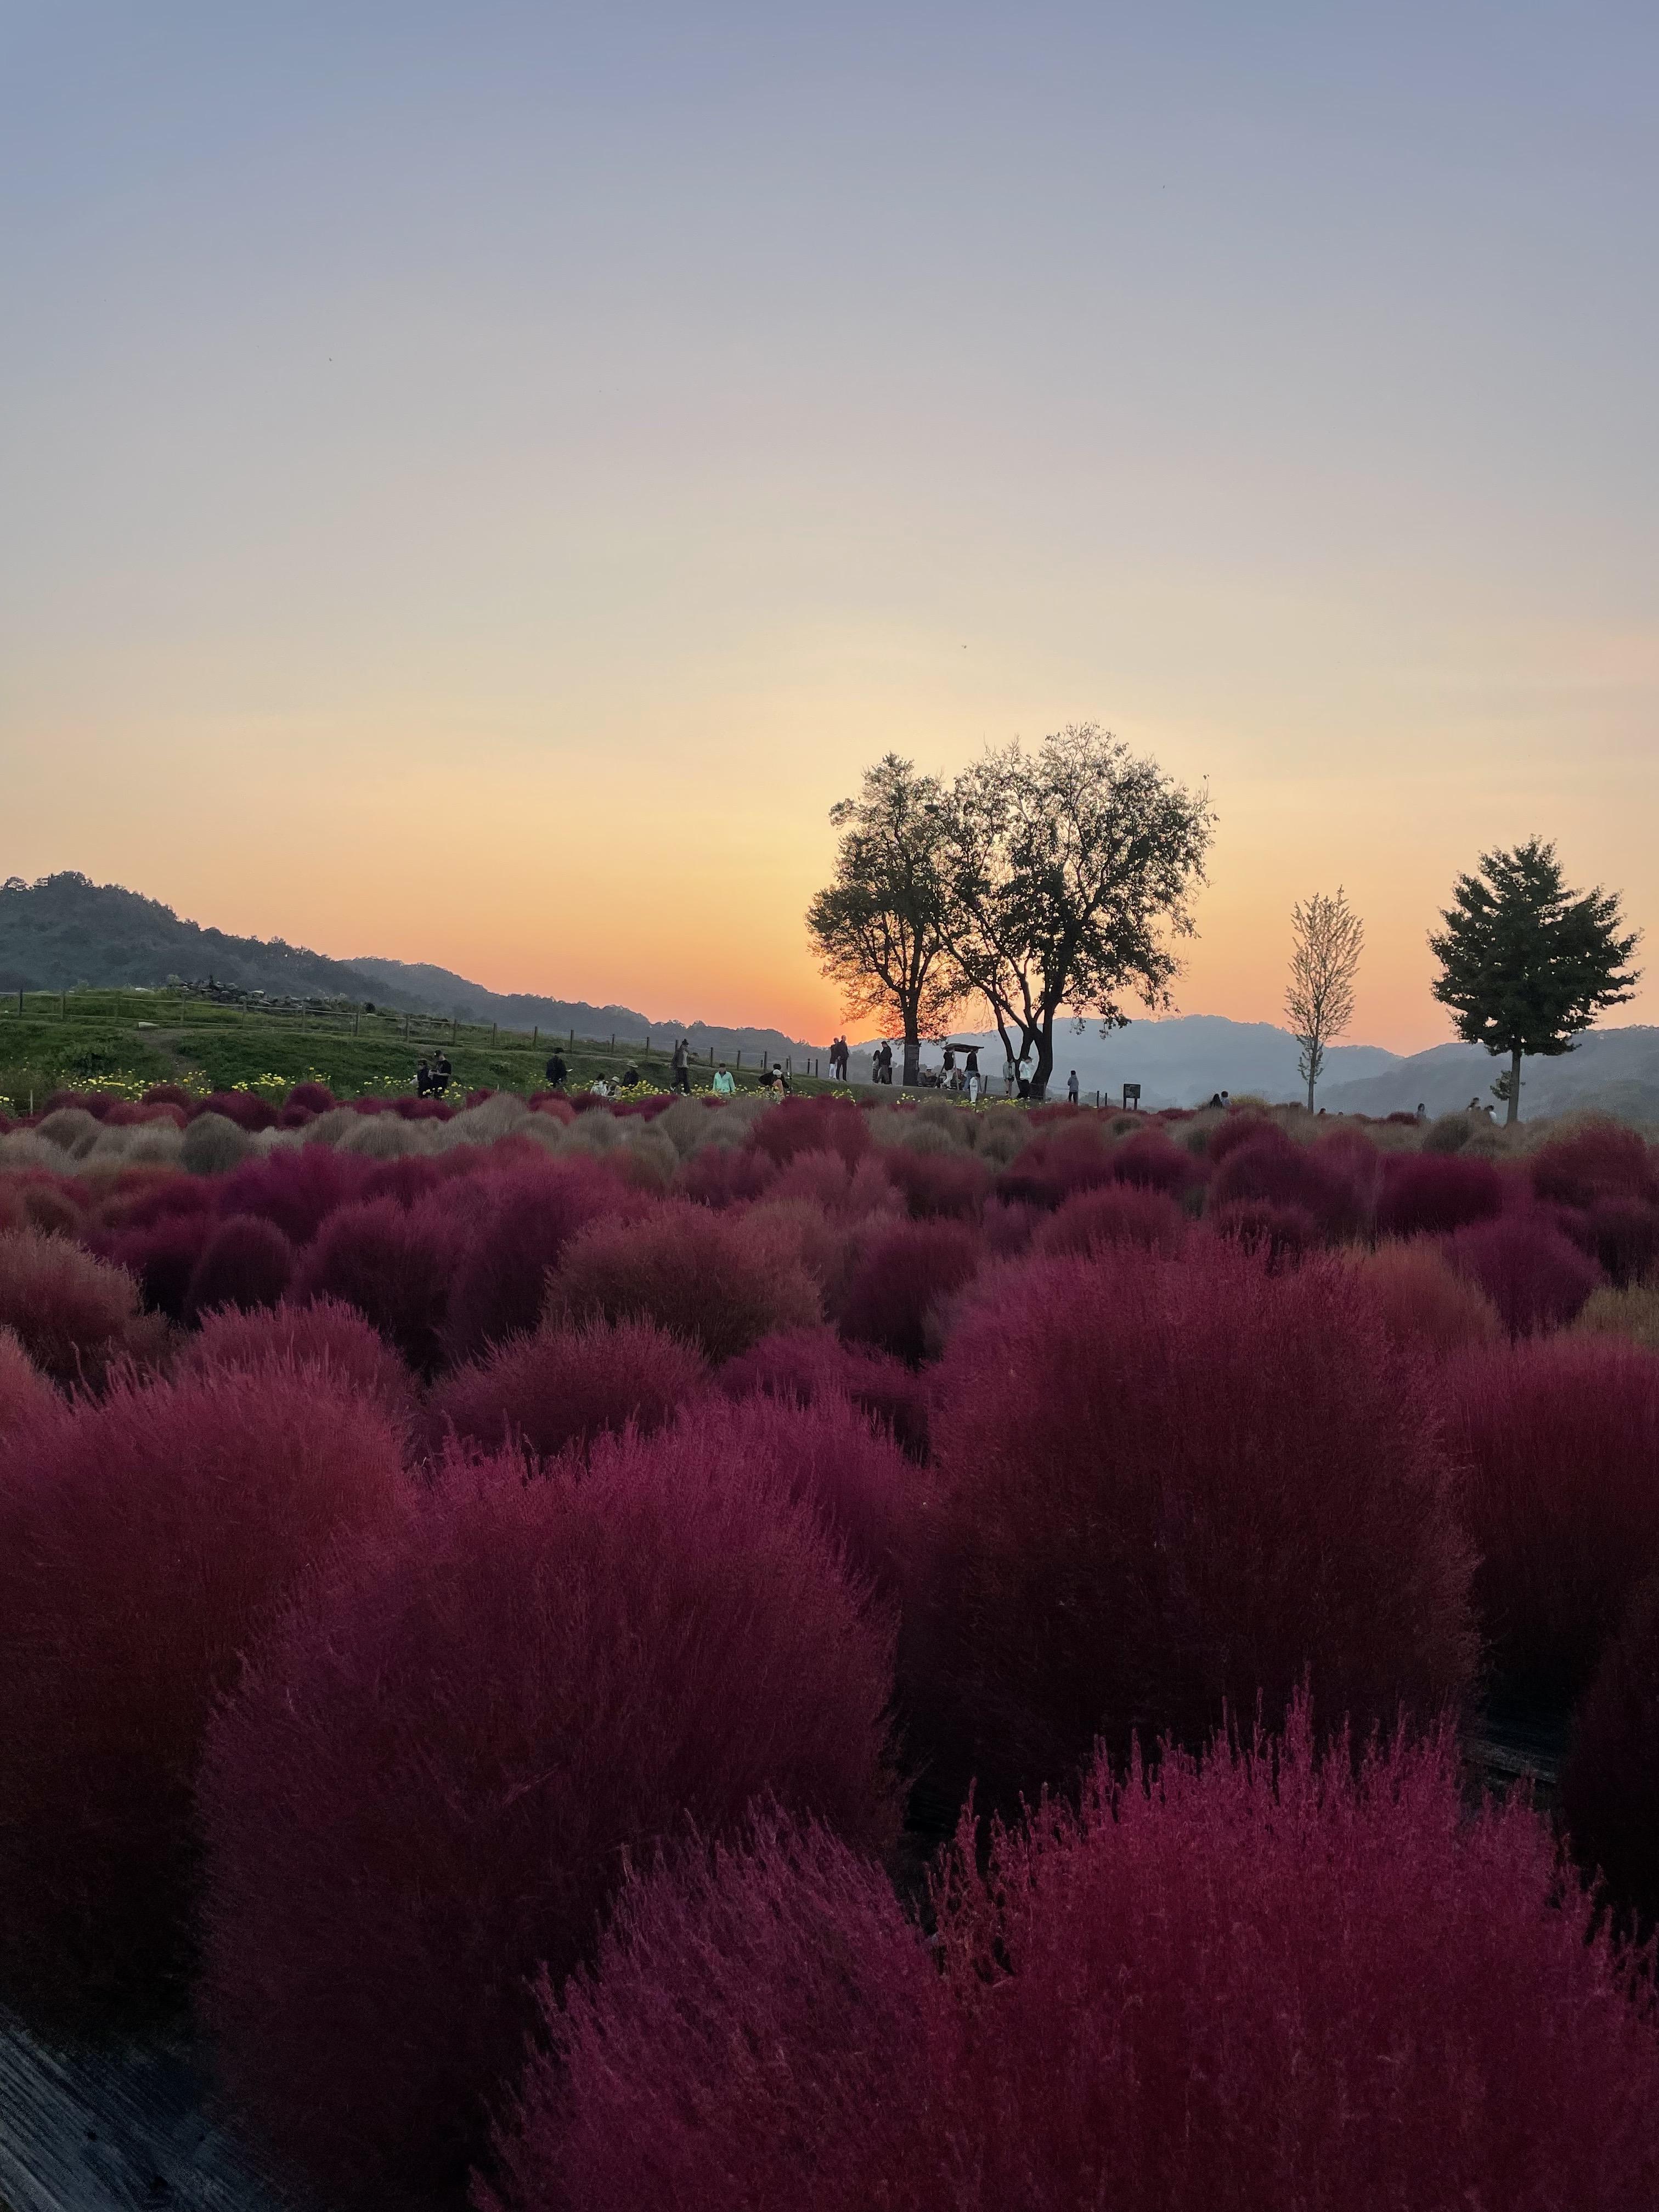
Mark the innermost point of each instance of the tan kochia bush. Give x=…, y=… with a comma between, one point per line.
x=71, y=1128
x=213, y=1145
x=380, y=1137
x=708, y=1277
x=1633, y=1313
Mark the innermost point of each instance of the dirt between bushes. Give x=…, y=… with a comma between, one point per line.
x=115, y=2131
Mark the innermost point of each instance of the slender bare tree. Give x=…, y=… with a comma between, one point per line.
x=1326, y=937
x=881, y=928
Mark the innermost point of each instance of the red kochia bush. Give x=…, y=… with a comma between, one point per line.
x=1530, y=1269
x=764, y=2028
x=1148, y=1161
x=246, y=1262
x=523, y=1222
x=296, y=1190
x=1560, y=1439
x=952, y=1185
x=1436, y=1191
x=833, y=1457
x=1262, y=1982
x=1056, y=1165
x=1273, y=1169
x=1121, y=1213
x=1622, y=1235
x=566, y=1385
x=314, y=1097
x=1200, y=1480
x=245, y=1107
x=1279, y=1235
x=1610, y=1784
x=717, y=1279
x=442, y=1764
x=160, y=1256
x=393, y=1264
x=812, y=1125
x=807, y=1364
x=901, y=1278
x=353, y=1356
x=143, y=1541
x=72, y=1313
x=720, y=1175
x=1605, y=1159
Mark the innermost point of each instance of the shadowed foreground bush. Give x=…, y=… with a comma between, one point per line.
x=1601, y=1160
x=143, y=1541
x=24, y=1390
x=1260, y=1984
x=1435, y=1191
x=716, y=1280
x=491, y=1709
x=1610, y=1784
x=71, y=1314
x=567, y=1386
x=1560, y=1439
x=1169, y=1484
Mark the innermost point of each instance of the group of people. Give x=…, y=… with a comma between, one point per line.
x=432, y=1077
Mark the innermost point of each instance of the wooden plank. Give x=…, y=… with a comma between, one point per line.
x=115, y=2130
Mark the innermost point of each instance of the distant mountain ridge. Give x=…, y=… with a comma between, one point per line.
x=65, y=931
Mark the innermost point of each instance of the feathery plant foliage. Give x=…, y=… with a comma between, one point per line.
x=1326, y=938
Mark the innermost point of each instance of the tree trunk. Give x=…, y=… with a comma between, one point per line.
x=912, y=1056
x=1310, y=1092
x=1514, y=1114
x=1045, y=1059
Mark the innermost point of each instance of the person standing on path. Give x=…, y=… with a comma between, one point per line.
x=557, y=1072
x=683, y=1066
x=1071, y=1086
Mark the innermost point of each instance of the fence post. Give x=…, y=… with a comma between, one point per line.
x=534, y=1034
x=492, y=1032
x=455, y=1027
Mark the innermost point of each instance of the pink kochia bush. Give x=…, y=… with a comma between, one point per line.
x=72, y=1313
x=566, y=1385
x=1270, y=1980
x=352, y=1356
x=526, y=1217
x=1274, y=1170
x=1560, y=1442
x=1169, y=1485
x=1121, y=1213
x=1602, y=1160
x=491, y=1709
x=1528, y=1267
x=145, y=1541
x=719, y=1281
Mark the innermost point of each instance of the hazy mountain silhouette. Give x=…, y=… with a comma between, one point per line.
x=65, y=931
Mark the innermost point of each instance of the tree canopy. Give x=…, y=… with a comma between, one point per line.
x=882, y=927
x=1071, y=870
x=1526, y=964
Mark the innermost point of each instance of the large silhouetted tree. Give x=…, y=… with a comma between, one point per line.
x=1070, y=869
x=1327, y=936
x=1526, y=964
x=881, y=926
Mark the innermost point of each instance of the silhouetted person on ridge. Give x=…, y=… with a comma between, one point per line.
x=442, y=1073
x=422, y=1081
x=557, y=1072
x=682, y=1066
x=1071, y=1086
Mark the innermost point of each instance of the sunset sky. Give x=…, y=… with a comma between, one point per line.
x=478, y=482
